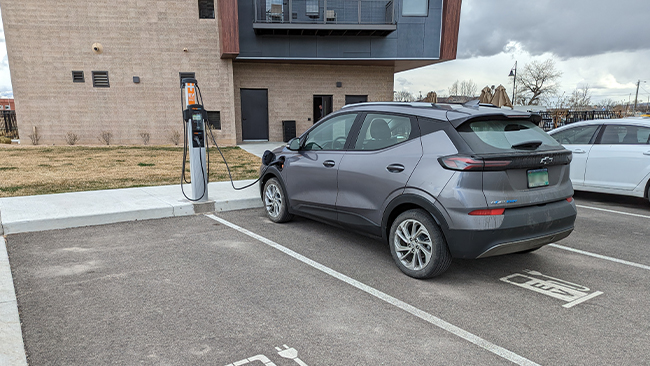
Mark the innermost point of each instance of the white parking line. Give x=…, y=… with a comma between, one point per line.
x=613, y=211
x=491, y=347
x=612, y=259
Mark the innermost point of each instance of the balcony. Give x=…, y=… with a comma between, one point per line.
x=324, y=17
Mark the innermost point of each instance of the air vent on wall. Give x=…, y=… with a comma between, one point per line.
x=100, y=79
x=78, y=77
x=214, y=120
x=206, y=9
x=186, y=75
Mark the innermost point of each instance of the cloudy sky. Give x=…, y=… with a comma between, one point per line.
x=601, y=43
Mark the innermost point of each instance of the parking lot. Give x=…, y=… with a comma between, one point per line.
x=234, y=288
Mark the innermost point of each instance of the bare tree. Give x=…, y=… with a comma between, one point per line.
x=404, y=96
x=468, y=88
x=454, y=89
x=538, y=82
x=608, y=104
x=580, y=98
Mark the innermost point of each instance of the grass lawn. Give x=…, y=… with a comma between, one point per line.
x=26, y=171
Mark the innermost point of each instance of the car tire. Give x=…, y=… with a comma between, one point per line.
x=418, y=246
x=275, y=201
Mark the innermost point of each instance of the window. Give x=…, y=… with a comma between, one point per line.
x=331, y=134
x=499, y=135
x=206, y=9
x=415, y=8
x=214, y=120
x=186, y=75
x=78, y=77
x=578, y=135
x=625, y=135
x=382, y=130
x=100, y=79
x=7, y=107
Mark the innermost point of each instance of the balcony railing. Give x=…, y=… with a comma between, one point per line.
x=333, y=15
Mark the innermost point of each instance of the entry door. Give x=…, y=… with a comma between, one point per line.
x=255, y=114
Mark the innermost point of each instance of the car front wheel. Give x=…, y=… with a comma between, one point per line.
x=275, y=201
x=418, y=246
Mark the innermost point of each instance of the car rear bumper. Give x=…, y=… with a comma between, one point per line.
x=520, y=229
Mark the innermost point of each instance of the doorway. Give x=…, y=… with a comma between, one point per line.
x=254, y=114
x=322, y=106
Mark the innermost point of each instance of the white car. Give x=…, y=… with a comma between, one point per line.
x=609, y=156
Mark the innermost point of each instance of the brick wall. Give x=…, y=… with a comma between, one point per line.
x=47, y=40
x=291, y=88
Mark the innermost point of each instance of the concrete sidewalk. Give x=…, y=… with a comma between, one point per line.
x=67, y=210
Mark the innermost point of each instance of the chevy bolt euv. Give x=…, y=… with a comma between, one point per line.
x=436, y=181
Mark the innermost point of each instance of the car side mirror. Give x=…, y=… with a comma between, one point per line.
x=294, y=144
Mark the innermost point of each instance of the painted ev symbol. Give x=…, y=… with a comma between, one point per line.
x=572, y=293
x=285, y=352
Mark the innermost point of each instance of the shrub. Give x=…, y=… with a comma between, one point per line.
x=71, y=138
x=175, y=137
x=145, y=137
x=105, y=137
x=35, y=137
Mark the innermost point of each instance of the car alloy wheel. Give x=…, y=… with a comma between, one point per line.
x=413, y=244
x=275, y=202
x=417, y=245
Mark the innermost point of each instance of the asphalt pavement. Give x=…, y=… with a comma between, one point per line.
x=142, y=276
x=80, y=209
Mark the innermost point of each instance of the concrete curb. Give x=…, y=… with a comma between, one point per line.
x=68, y=210
x=12, y=349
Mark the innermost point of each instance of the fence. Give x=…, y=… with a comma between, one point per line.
x=325, y=11
x=556, y=118
x=8, y=125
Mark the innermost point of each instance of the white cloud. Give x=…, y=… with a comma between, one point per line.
x=591, y=44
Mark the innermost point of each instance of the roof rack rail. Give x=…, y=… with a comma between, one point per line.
x=475, y=104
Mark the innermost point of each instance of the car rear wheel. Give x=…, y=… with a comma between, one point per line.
x=275, y=201
x=418, y=246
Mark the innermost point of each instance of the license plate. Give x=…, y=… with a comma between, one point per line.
x=537, y=178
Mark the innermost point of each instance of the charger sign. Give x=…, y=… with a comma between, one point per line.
x=190, y=94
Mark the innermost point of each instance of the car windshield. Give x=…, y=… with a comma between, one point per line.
x=495, y=136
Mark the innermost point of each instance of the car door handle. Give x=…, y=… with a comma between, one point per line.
x=329, y=163
x=395, y=168
x=646, y=153
x=579, y=151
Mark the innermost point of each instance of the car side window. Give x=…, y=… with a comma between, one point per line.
x=383, y=130
x=330, y=134
x=625, y=135
x=577, y=135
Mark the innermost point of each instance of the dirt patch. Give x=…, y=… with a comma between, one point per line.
x=56, y=169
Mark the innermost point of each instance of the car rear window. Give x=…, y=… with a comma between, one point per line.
x=495, y=136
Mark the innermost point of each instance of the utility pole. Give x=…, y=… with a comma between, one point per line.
x=636, y=98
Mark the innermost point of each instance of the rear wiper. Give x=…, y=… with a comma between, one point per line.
x=528, y=145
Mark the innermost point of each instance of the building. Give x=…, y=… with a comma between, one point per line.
x=7, y=104
x=92, y=66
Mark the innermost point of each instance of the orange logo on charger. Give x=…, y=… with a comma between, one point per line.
x=191, y=94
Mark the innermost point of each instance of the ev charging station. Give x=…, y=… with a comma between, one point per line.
x=194, y=117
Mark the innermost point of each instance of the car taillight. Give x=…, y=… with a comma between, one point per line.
x=488, y=212
x=570, y=199
x=459, y=162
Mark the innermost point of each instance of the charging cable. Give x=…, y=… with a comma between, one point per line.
x=214, y=142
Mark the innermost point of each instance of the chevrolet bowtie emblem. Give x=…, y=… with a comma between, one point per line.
x=546, y=160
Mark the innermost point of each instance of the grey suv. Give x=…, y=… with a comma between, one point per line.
x=435, y=180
